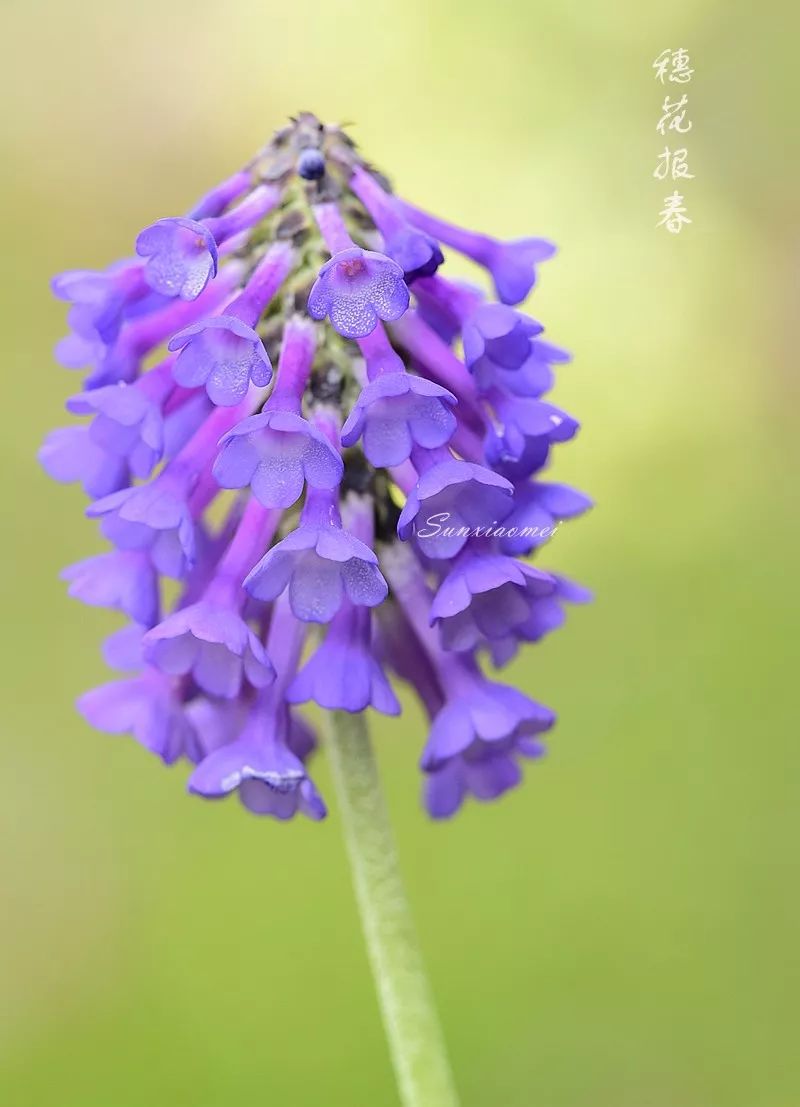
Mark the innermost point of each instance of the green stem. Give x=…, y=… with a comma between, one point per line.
x=409, y=1016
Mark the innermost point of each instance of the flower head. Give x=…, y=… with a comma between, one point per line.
x=156, y=518
x=344, y=673
x=181, y=257
x=150, y=708
x=101, y=301
x=225, y=355
x=450, y=500
x=277, y=453
x=355, y=289
x=396, y=412
x=261, y=766
x=379, y=430
x=486, y=597
x=320, y=564
x=127, y=424
x=214, y=644
x=497, y=336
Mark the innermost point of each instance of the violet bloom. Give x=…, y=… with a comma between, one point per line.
x=155, y=320
x=182, y=254
x=396, y=412
x=69, y=454
x=210, y=638
x=320, y=564
x=266, y=762
x=214, y=644
x=446, y=305
x=474, y=709
x=533, y=377
x=156, y=518
x=539, y=508
x=123, y=579
x=528, y=429
x=450, y=502
x=149, y=708
x=484, y=771
x=101, y=300
x=278, y=451
x=160, y=517
x=512, y=265
x=379, y=481
x=497, y=335
x=479, y=728
x=486, y=597
x=546, y=614
x=128, y=422
x=417, y=254
x=344, y=674
x=225, y=353
x=355, y=289
x=262, y=768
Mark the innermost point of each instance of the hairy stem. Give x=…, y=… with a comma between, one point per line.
x=410, y=1020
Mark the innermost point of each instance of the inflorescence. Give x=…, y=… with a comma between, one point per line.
x=382, y=434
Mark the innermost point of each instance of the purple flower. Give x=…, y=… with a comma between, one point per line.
x=533, y=377
x=123, y=649
x=538, y=509
x=397, y=411
x=123, y=579
x=486, y=597
x=480, y=711
x=417, y=254
x=128, y=425
x=430, y=425
x=225, y=355
x=276, y=453
x=446, y=305
x=498, y=336
x=100, y=300
x=155, y=319
x=320, y=564
x=529, y=428
x=153, y=517
x=355, y=289
x=545, y=615
x=69, y=454
x=434, y=358
x=450, y=500
x=147, y=707
x=512, y=265
x=270, y=778
x=343, y=674
x=214, y=644
x=182, y=256
x=479, y=727
x=484, y=771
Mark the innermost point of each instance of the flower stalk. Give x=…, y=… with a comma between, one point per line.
x=409, y=1015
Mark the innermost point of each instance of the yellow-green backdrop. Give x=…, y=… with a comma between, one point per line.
x=622, y=931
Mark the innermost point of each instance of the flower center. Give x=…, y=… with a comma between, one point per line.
x=352, y=268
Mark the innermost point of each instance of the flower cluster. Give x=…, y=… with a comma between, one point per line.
x=283, y=394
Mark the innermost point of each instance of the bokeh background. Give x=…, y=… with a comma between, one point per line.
x=623, y=930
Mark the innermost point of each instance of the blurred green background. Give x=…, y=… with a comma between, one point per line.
x=622, y=931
